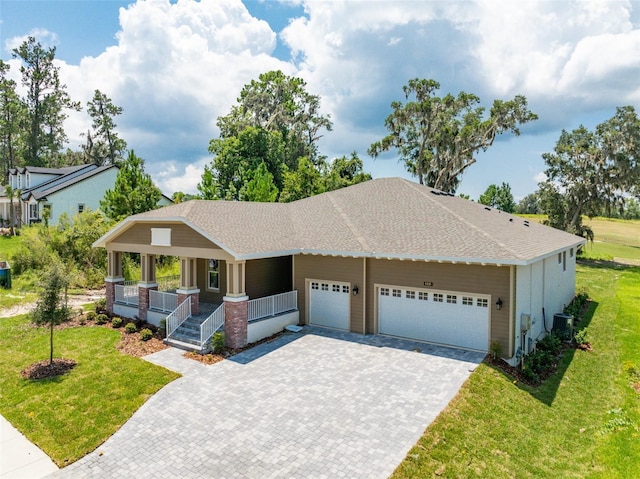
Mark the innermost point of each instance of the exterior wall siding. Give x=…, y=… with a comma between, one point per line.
x=181, y=236
x=348, y=270
x=488, y=280
x=265, y=277
x=208, y=296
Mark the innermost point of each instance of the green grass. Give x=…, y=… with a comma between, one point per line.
x=22, y=287
x=71, y=415
x=582, y=422
x=609, y=251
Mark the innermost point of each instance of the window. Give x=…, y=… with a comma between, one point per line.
x=397, y=293
x=559, y=258
x=324, y=287
x=467, y=301
x=452, y=299
x=564, y=261
x=214, y=275
x=423, y=296
x=314, y=286
x=482, y=302
x=33, y=212
x=345, y=289
x=80, y=207
x=410, y=295
x=335, y=288
x=571, y=253
x=384, y=291
x=437, y=297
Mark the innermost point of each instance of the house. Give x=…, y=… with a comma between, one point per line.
x=387, y=256
x=70, y=190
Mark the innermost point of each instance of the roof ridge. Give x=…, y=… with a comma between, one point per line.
x=348, y=222
x=421, y=191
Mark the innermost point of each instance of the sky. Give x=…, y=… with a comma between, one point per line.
x=176, y=66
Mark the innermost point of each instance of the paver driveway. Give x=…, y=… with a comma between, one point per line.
x=316, y=404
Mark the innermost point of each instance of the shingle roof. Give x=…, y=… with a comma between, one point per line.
x=387, y=217
x=72, y=176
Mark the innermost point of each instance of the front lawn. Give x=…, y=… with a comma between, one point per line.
x=71, y=415
x=582, y=422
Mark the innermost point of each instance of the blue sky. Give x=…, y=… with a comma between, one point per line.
x=176, y=66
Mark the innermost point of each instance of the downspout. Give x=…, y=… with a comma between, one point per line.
x=364, y=295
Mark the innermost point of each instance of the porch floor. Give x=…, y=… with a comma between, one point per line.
x=205, y=311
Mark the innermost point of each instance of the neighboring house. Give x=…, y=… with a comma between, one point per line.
x=69, y=190
x=387, y=256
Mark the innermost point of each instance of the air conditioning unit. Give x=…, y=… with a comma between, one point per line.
x=563, y=324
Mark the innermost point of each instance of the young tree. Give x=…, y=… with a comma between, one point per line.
x=51, y=308
x=46, y=102
x=593, y=170
x=103, y=147
x=12, y=115
x=499, y=197
x=133, y=192
x=439, y=138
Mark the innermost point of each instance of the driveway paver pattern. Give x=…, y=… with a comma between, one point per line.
x=316, y=404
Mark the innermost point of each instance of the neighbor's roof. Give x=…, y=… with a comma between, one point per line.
x=73, y=176
x=386, y=218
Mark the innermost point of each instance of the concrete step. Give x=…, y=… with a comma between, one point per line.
x=177, y=343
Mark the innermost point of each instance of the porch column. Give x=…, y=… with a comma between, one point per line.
x=147, y=282
x=114, y=276
x=235, y=306
x=189, y=283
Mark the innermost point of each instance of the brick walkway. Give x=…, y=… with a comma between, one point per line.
x=309, y=405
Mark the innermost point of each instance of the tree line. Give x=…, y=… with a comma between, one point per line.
x=268, y=144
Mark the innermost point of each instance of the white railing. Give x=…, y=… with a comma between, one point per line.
x=127, y=294
x=272, y=305
x=162, y=301
x=175, y=319
x=214, y=322
x=131, y=282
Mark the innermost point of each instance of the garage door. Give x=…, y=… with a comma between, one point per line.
x=444, y=317
x=329, y=304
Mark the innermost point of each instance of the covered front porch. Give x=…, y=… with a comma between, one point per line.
x=248, y=300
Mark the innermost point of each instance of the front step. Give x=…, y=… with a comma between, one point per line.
x=187, y=336
x=176, y=343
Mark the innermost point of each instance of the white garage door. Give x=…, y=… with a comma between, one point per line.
x=444, y=317
x=329, y=304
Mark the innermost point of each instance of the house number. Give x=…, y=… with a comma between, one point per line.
x=428, y=283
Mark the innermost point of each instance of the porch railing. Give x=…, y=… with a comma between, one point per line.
x=213, y=323
x=163, y=301
x=127, y=293
x=272, y=305
x=175, y=319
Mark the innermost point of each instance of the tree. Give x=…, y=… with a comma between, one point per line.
x=12, y=117
x=343, y=172
x=593, y=170
x=46, y=102
x=51, y=308
x=103, y=147
x=499, y=197
x=181, y=197
x=133, y=191
x=302, y=182
x=529, y=205
x=260, y=187
x=439, y=138
x=279, y=103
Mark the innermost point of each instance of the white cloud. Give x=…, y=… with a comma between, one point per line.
x=540, y=177
x=45, y=37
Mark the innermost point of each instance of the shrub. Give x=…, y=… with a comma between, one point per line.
x=581, y=336
x=495, y=348
x=551, y=343
x=146, y=334
x=130, y=328
x=217, y=342
x=162, y=328
x=82, y=321
x=102, y=319
x=100, y=305
x=91, y=315
x=117, y=322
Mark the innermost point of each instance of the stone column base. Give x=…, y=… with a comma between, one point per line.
x=235, y=321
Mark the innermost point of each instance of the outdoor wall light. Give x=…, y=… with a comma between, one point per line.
x=499, y=304
x=355, y=290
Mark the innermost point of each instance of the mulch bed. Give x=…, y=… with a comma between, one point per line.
x=43, y=369
x=212, y=358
